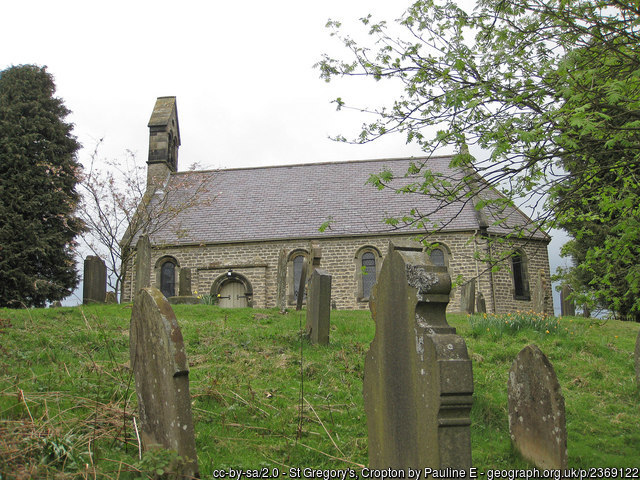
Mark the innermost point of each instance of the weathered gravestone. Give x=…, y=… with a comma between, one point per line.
x=536, y=410
x=161, y=370
x=184, y=282
x=111, y=298
x=637, y=360
x=567, y=307
x=281, y=281
x=468, y=297
x=481, y=304
x=418, y=382
x=94, y=288
x=143, y=263
x=319, y=307
x=302, y=286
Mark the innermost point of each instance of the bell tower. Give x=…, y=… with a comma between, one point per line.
x=164, y=141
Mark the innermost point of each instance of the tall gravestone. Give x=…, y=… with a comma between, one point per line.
x=468, y=297
x=319, y=307
x=537, y=422
x=540, y=292
x=184, y=282
x=161, y=371
x=481, y=304
x=567, y=307
x=418, y=381
x=143, y=263
x=281, y=281
x=94, y=288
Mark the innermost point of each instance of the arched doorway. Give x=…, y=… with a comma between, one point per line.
x=233, y=290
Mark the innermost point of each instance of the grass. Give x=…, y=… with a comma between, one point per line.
x=264, y=397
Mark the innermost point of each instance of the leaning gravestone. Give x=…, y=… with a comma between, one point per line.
x=94, y=288
x=418, y=382
x=161, y=370
x=143, y=263
x=468, y=297
x=637, y=360
x=319, y=307
x=567, y=307
x=536, y=410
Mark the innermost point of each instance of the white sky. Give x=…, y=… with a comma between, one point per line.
x=242, y=73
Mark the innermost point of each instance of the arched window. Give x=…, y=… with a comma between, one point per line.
x=168, y=279
x=437, y=257
x=368, y=273
x=298, y=261
x=295, y=265
x=520, y=277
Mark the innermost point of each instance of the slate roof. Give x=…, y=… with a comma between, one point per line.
x=293, y=201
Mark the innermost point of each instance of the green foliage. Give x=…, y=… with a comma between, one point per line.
x=38, y=175
x=511, y=323
x=550, y=91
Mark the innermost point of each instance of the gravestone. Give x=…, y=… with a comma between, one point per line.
x=184, y=282
x=94, y=288
x=567, y=307
x=111, y=298
x=281, y=281
x=540, y=292
x=56, y=304
x=418, y=382
x=481, y=304
x=319, y=307
x=536, y=410
x=143, y=263
x=468, y=297
x=161, y=370
x=302, y=286
x=316, y=257
x=637, y=359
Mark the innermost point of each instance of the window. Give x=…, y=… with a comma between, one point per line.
x=295, y=265
x=168, y=279
x=437, y=257
x=520, y=280
x=298, y=261
x=367, y=263
x=368, y=273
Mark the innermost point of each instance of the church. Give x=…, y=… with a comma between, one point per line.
x=245, y=234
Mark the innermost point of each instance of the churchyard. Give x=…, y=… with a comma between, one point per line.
x=264, y=396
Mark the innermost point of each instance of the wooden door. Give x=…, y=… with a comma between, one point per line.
x=232, y=295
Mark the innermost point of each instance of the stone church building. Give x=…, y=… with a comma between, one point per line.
x=245, y=233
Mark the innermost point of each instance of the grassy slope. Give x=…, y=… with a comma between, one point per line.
x=65, y=390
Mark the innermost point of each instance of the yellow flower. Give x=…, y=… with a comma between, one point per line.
x=547, y=331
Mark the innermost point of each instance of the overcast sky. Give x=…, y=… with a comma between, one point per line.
x=242, y=72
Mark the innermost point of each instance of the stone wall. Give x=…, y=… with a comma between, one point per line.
x=258, y=262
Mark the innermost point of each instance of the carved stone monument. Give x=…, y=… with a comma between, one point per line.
x=161, y=370
x=418, y=382
x=536, y=410
x=94, y=288
x=319, y=307
x=143, y=263
x=468, y=297
x=567, y=307
x=184, y=282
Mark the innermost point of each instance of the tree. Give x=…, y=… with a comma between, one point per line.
x=549, y=90
x=117, y=208
x=38, y=176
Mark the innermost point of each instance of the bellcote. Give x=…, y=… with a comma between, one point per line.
x=164, y=141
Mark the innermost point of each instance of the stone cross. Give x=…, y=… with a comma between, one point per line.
x=302, y=285
x=143, y=263
x=418, y=381
x=281, y=281
x=319, y=307
x=468, y=297
x=567, y=307
x=161, y=371
x=94, y=288
x=184, y=282
x=536, y=410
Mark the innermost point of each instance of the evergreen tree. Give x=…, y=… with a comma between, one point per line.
x=38, y=176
